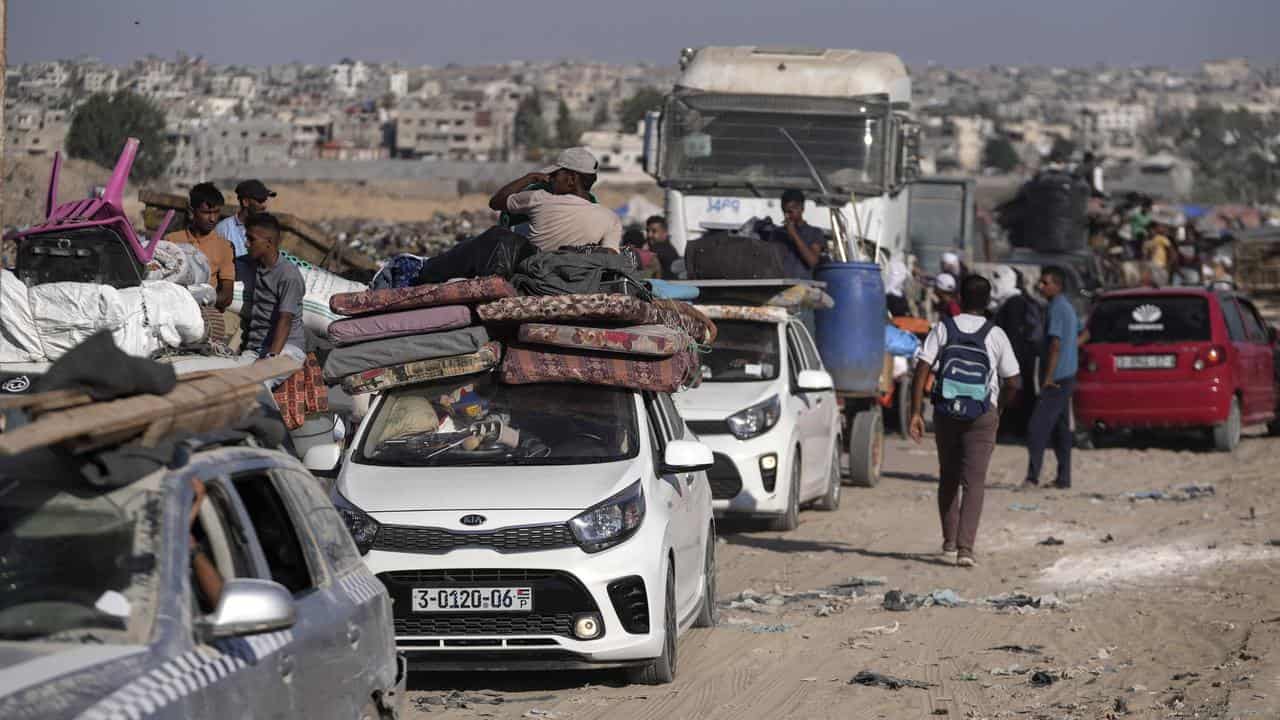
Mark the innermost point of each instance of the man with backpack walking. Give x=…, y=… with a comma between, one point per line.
x=974, y=374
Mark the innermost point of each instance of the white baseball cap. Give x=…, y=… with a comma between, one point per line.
x=946, y=282
x=577, y=159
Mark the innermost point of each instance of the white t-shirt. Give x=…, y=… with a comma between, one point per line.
x=557, y=221
x=1003, y=363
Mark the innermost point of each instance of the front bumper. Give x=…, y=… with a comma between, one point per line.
x=1198, y=403
x=567, y=582
x=743, y=457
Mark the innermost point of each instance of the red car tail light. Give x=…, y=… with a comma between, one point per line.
x=1215, y=355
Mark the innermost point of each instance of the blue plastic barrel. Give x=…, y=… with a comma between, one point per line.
x=851, y=335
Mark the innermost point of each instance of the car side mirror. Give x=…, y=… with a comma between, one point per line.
x=814, y=381
x=686, y=456
x=247, y=607
x=323, y=459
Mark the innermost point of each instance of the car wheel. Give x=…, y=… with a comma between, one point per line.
x=790, y=520
x=662, y=669
x=866, y=448
x=709, y=614
x=1086, y=439
x=831, y=499
x=1273, y=427
x=1226, y=435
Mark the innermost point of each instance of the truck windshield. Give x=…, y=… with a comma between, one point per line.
x=710, y=141
x=77, y=562
x=476, y=421
x=743, y=352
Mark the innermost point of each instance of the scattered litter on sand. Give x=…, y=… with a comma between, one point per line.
x=1051, y=540
x=456, y=700
x=898, y=601
x=1182, y=494
x=1041, y=678
x=1020, y=649
x=763, y=629
x=1025, y=507
x=866, y=677
x=1022, y=600
x=881, y=629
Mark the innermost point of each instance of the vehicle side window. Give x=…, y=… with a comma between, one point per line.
x=276, y=530
x=1253, y=327
x=674, y=422
x=807, y=347
x=795, y=358
x=657, y=434
x=222, y=542
x=331, y=535
x=1231, y=314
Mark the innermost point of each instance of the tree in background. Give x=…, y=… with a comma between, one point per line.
x=602, y=116
x=634, y=107
x=1236, y=154
x=101, y=125
x=1000, y=154
x=530, y=130
x=567, y=130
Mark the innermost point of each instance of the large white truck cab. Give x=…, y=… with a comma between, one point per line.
x=744, y=124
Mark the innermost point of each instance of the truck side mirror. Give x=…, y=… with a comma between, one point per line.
x=652, y=122
x=909, y=151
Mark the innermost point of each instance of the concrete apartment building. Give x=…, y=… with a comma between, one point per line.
x=461, y=129
x=201, y=147
x=34, y=130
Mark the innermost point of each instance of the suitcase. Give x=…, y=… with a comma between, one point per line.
x=724, y=256
x=95, y=255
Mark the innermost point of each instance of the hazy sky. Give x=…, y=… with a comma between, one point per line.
x=1180, y=33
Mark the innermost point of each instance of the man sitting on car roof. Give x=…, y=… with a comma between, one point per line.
x=563, y=216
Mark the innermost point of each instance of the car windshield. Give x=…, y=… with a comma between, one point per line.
x=77, y=562
x=743, y=352
x=1137, y=320
x=734, y=141
x=477, y=421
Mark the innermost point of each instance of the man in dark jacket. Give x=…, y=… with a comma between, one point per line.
x=1022, y=320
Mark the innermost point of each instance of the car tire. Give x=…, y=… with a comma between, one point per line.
x=1226, y=435
x=1086, y=440
x=790, y=520
x=866, y=448
x=830, y=500
x=662, y=669
x=904, y=406
x=709, y=613
x=1273, y=427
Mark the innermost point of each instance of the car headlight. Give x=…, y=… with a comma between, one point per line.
x=363, y=528
x=755, y=420
x=611, y=521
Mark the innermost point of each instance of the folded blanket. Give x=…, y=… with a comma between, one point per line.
x=354, y=359
x=407, y=322
x=653, y=340
x=461, y=292
x=420, y=371
x=755, y=313
x=683, y=316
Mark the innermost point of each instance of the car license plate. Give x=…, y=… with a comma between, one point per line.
x=473, y=599
x=1146, y=362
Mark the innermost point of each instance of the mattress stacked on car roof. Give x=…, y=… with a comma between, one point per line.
x=401, y=336
x=601, y=339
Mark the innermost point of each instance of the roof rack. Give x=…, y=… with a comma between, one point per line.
x=200, y=402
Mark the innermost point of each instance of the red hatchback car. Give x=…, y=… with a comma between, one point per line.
x=1177, y=358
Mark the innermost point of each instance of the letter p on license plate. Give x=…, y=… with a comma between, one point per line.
x=483, y=599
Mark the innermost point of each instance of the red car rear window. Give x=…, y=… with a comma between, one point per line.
x=1150, y=319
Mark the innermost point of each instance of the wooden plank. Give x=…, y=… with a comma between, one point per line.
x=214, y=397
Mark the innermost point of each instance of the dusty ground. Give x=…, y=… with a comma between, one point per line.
x=1170, y=606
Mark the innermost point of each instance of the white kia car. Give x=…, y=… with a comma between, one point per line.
x=534, y=526
x=767, y=409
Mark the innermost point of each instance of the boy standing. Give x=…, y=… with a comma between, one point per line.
x=273, y=316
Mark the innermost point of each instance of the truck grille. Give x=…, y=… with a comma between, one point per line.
x=435, y=541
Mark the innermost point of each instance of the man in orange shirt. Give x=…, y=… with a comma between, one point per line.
x=204, y=203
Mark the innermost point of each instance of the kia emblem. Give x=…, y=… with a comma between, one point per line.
x=472, y=520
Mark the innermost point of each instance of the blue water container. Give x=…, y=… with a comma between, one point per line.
x=851, y=335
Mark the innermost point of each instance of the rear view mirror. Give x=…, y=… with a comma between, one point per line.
x=814, y=381
x=685, y=456
x=248, y=607
x=323, y=459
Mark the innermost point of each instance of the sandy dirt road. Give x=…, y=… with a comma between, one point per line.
x=1170, y=607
